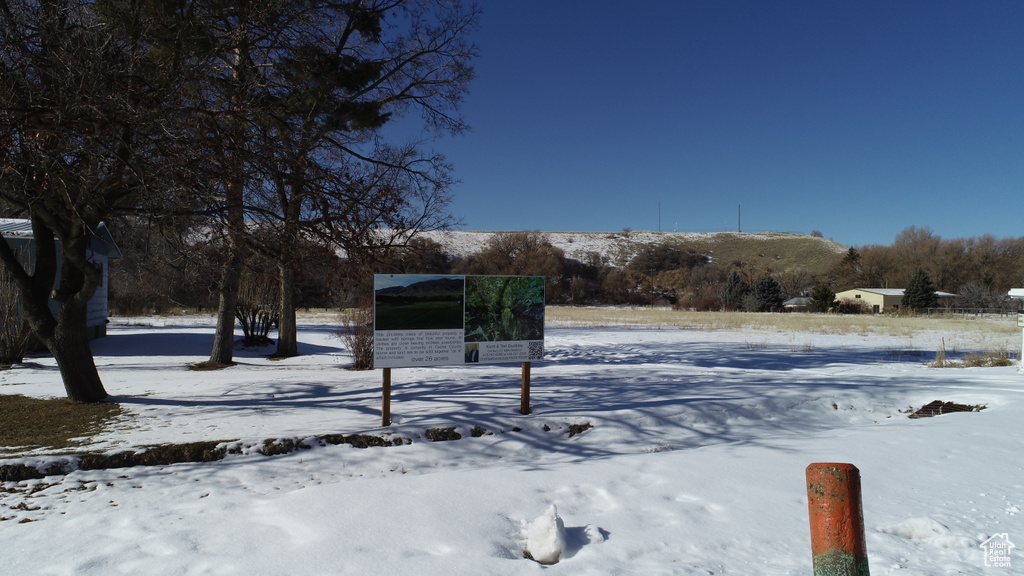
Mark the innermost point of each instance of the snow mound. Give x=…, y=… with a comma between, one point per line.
x=592, y=534
x=929, y=530
x=545, y=537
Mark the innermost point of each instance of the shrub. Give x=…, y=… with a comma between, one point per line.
x=257, y=310
x=852, y=306
x=660, y=257
x=989, y=358
x=356, y=332
x=709, y=304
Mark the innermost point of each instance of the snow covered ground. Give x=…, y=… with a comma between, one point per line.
x=694, y=463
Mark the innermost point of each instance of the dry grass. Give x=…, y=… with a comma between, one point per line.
x=776, y=253
x=986, y=359
x=993, y=335
x=57, y=424
x=995, y=328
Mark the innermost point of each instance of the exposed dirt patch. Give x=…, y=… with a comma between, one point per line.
x=217, y=450
x=442, y=434
x=156, y=456
x=937, y=407
x=575, y=429
x=19, y=472
x=361, y=440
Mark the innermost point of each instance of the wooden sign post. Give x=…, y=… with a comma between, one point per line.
x=524, y=403
x=385, y=408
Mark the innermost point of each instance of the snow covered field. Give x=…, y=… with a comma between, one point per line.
x=694, y=463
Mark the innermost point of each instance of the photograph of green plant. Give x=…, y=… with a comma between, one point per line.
x=504, y=308
x=426, y=303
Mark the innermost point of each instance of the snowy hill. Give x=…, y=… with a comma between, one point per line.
x=619, y=247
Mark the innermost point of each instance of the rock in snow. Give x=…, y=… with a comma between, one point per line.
x=545, y=537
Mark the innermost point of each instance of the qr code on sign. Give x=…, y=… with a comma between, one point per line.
x=536, y=350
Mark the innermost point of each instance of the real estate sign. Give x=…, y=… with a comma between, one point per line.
x=425, y=320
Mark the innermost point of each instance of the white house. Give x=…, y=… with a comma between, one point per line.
x=883, y=299
x=18, y=235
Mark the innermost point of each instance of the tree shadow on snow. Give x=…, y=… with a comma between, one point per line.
x=655, y=396
x=191, y=341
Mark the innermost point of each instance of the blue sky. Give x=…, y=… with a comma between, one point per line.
x=856, y=119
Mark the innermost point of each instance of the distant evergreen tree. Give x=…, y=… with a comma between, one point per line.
x=852, y=257
x=734, y=291
x=848, y=272
x=920, y=293
x=822, y=298
x=768, y=293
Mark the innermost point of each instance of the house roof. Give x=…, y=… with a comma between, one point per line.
x=895, y=292
x=883, y=291
x=102, y=242
x=10, y=228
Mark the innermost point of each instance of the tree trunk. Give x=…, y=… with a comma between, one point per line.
x=70, y=348
x=224, y=340
x=234, y=220
x=66, y=335
x=287, y=329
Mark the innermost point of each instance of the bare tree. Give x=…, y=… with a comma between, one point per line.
x=81, y=104
x=328, y=172
x=520, y=254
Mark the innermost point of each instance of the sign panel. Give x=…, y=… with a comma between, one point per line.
x=424, y=320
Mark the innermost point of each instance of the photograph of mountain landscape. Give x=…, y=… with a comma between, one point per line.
x=425, y=303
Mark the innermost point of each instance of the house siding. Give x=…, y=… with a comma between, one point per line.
x=96, y=315
x=96, y=310
x=878, y=302
x=883, y=299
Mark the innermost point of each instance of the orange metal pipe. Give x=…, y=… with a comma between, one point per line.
x=837, y=520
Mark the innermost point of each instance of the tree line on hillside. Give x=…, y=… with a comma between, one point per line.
x=979, y=270
x=244, y=137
